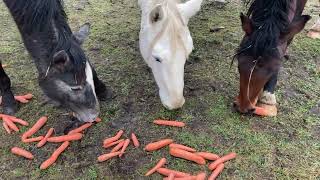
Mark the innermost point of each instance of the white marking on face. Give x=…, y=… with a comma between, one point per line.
x=89, y=78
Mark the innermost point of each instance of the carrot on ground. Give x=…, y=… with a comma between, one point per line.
x=113, y=143
x=158, y=145
x=183, y=147
x=98, y=120
x=16, y=120
x=21, y=152
x=55, y=155
x=114, y=138
x=135, y=140
x=167, y=172
x=81, y=128
x=69, y=137
x=38, y=125
x=169, y=123
x=6, y=127
x=223, y=159
x=10, y=123
x=30, y=140
x=216, y=172
x=171, y=176
x=261, y=111
x=157, y=166
x=201, y=176
x=208, y=156
x=44, y=140
x=21, y=99
x=124, y=147
x=105, y=157
x=118, y=147
x=187, y=155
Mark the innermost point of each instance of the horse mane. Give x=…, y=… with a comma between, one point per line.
x=47, y=18
x=172, y=21
x=269, y=19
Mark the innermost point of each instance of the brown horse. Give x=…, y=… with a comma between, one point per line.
x=269, y=27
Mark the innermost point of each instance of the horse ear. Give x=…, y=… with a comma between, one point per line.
x=82, y=34
x=247, y=26
x=295, y=27
x=60, y=60
x=190, y=8
x=156, y=14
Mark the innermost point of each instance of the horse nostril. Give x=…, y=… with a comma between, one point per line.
x=251, y=111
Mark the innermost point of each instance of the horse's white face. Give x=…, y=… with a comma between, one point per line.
x=166, y=49
x=168, y=70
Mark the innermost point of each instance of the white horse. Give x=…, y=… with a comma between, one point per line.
x=165, y=44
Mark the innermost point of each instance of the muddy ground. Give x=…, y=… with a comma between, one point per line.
x=284, y=147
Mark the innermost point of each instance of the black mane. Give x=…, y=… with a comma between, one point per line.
x=48, y=20
x=269, y=19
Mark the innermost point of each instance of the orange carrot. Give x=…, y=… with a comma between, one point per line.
x=69, y=137
x=20, y=121
x=157, y=166
x=114, y=138
x=223, y=159
x=183, y=178
x=135, y=140
x=187, y=155
x=55, y=155
x=44, y=140
x=216, y=172
x=171, y=176
x=28, y=96
x=169, y=123
x=261, y=111
x=208, y=156
x=118, y=147
x=167, y=172
x=35, y=127
x=179, y=146
x=30, y=140
x=6, y=127
x=158, y=145
x=16, y=120
x=21, y=152
x=98, y=120
x=201, y=176
x=10, y=123
x=124, y=147
x=21, y=99
x=81, y=128
x=113, y=143
x=105, y=157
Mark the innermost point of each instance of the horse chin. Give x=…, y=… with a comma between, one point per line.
x=172, y=103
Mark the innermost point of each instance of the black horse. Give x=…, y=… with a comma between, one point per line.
x=65, y=74
x=269, y=26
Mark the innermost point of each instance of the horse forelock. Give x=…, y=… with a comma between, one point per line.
x=172, y=23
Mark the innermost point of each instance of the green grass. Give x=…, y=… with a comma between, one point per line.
x=284, y=147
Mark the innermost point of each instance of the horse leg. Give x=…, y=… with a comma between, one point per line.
x=9, y=104
x=267, y=98
x=102, y=91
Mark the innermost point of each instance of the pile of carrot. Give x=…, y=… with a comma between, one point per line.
x=22, y=98
x=9, y=123
x=120, y=145
x=187, y=153
x=26, y=137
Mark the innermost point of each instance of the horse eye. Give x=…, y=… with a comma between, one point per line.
x=76, y=88
x=157, y=59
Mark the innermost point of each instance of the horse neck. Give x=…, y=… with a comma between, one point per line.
x=40, y=42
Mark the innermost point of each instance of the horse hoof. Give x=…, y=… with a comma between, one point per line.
x=10, y=110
